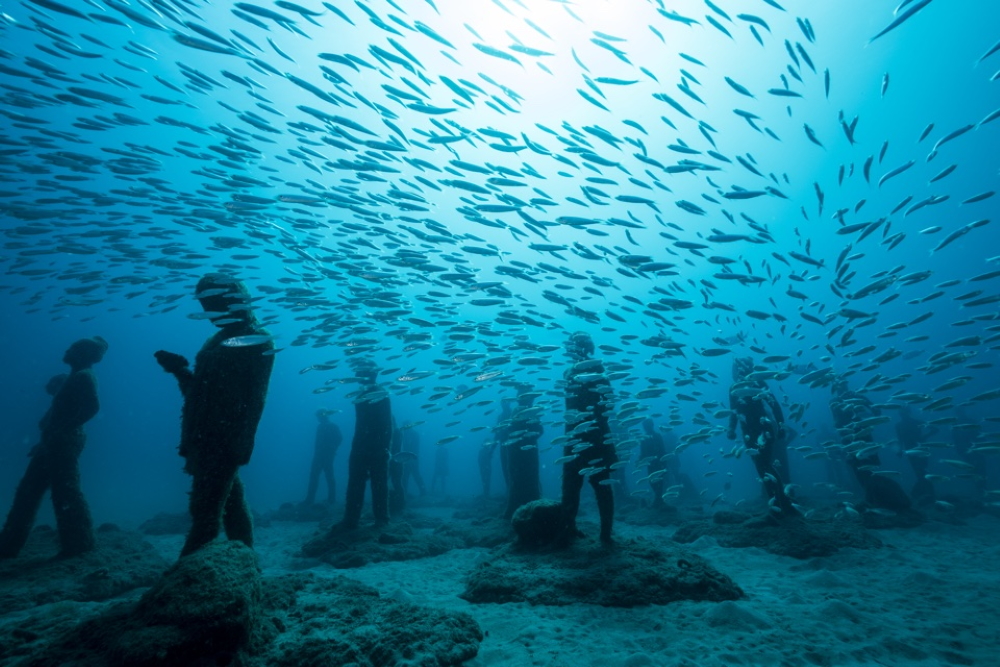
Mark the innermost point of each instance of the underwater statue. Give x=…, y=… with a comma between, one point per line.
x=369, y=458
x=397, y=495
x=54, y=463
x=760, y=417
x=485, y=459
x=410, y=458
x=328, y=439
x=223, y=401
x=653, y=450
x=850, y=409
x=588, y=404
x=911, y=434
x=439, y=475
x=521, y=452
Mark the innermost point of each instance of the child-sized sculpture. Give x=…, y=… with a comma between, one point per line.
x=223, y=402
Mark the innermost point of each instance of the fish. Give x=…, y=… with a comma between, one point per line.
x=811, y=134
x=896, y=172
x=901, y=18
x=248, y=341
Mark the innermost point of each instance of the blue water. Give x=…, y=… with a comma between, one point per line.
x=130, y=467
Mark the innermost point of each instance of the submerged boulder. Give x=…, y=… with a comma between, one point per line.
x=539, y=523
x=338, y=621
x=206, y=609
x=123, y=561
x=167, y=524
x=626, y=574
x=213, y=609
x=346, y=548
x=794, y=536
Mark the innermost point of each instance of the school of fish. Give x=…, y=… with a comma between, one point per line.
x=372, y=169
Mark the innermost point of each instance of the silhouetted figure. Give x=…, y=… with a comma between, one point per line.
x=911, y=433
x=54, y=463
x=588, y=403
x=223, y=401
x=369, y=460
x=397, y=496
x=850, y=412
x=963, y=437
x=441, y=471
x=760, y=417
x=411, y=460
x=675, y=477
x=785, y=437
x=521, y=452
x=652, y=450
x=328, y=439
x=485, y=458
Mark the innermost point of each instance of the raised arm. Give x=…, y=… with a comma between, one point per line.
x=177, y=366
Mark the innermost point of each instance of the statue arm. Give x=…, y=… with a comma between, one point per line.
x=75, y=404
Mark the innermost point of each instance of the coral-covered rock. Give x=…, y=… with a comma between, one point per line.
x=539, y=523
x=346, y=548
x=626, y=574
x=206, y=609
x=122, y=561
x=795, y=536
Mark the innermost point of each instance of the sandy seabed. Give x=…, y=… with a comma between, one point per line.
x=930, y=596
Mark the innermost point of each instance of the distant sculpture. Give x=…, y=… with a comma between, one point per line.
x=653, y=451
x=441, y=470
x=328, y=439
x=911, y=433
x=397, y=495
x=850, y=411
x=369, y=458
x=54, y=460
x=760, y=417
x=588, y=404
x=485, y=458
x=521, y=452
x=410, y=457
x=223, y=402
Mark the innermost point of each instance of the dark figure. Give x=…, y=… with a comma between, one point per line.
x=369, y=450
x=500, y=432
x=223, y=401
x=521, y=452
x=850, y=410
x=963, y=437
x=780, y=450
x=588, y=402
x=411, y=460
x=54, y=461
x=911, y=433
x=397, y=496
x=328, y=439
x=652, y=450
x=440, y=468
x=684, y=488
x=762, y=421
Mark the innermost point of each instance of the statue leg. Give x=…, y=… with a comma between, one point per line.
x=27, y=500
x=73, y=521
x=236, y=516
x=605, y=502
x=210, y=488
